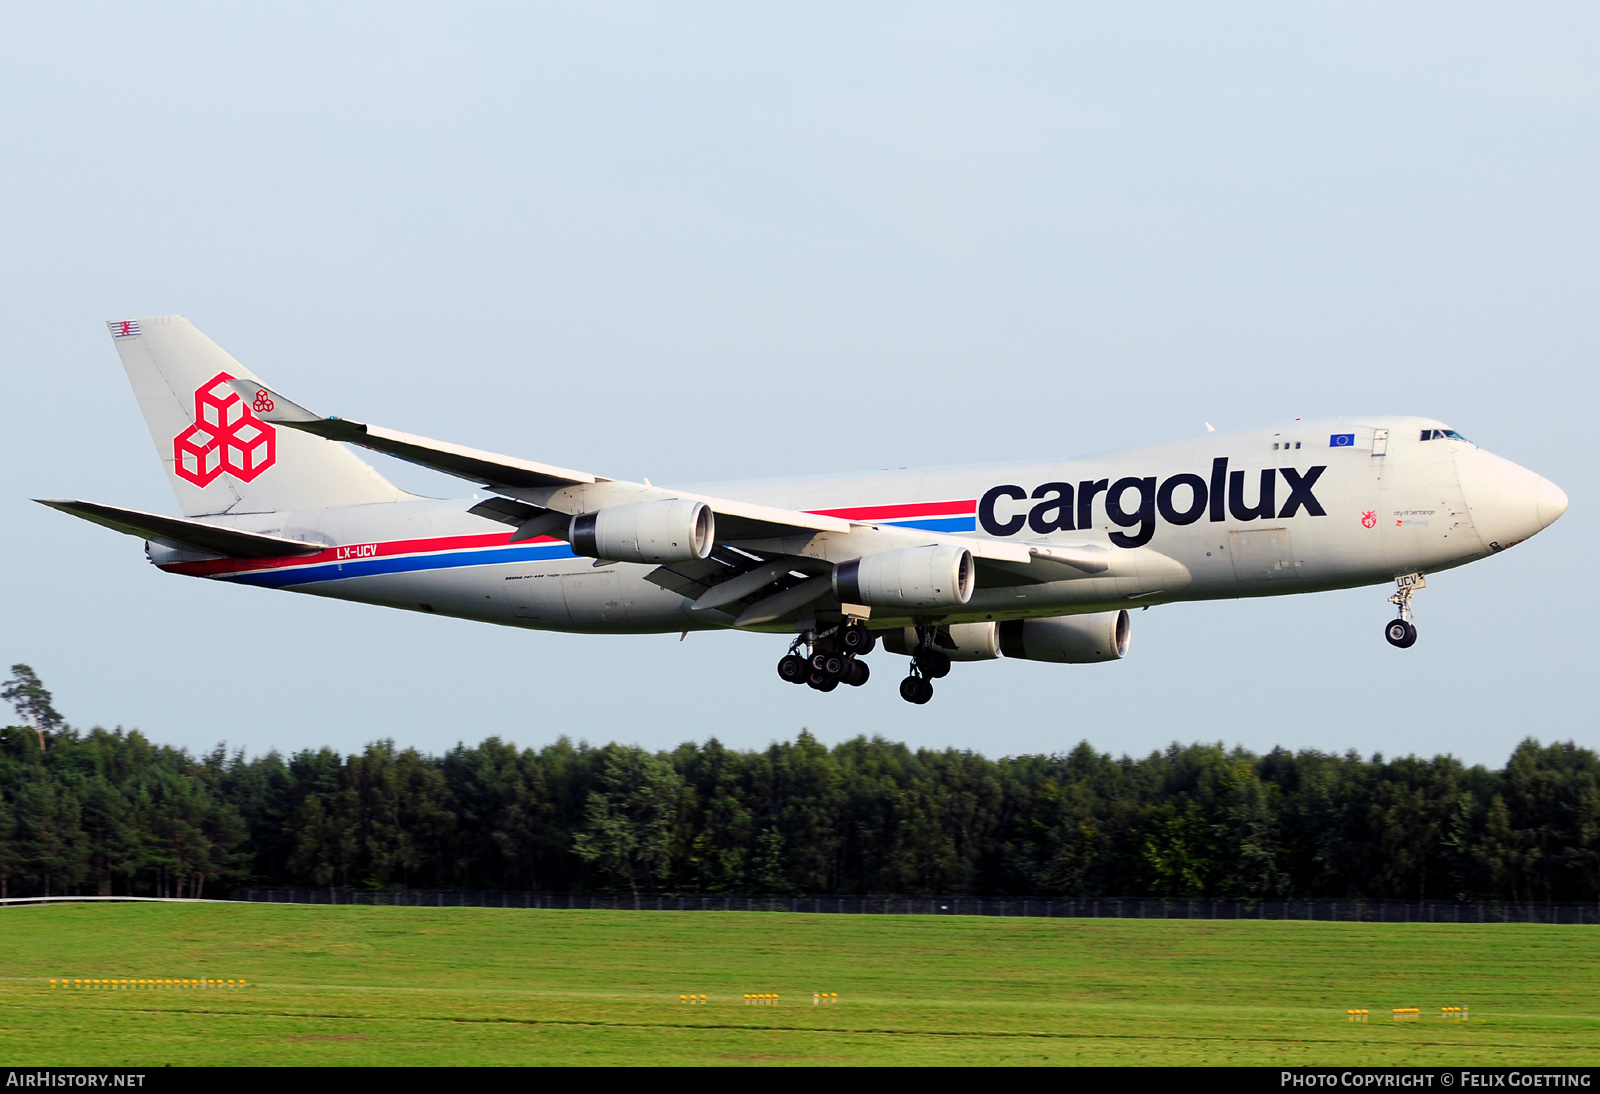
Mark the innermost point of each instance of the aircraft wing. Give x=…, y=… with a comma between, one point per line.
x=775, y=560
x=181, y=532
x=555, y=488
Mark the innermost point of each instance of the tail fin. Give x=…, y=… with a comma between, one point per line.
x=219, y=456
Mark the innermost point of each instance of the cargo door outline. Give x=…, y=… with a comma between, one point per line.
x=1263, y=554
x=537, y=598
x=594, y=596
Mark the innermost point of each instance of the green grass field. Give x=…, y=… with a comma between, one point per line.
x=347, y=985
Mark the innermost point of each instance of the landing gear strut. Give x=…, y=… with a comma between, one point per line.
x=831, y=658
x=928, y=663
x=1402, y=631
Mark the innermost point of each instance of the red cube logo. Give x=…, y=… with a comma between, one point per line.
x=225, y=436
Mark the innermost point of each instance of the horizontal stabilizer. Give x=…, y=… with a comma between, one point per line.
x=180, y=533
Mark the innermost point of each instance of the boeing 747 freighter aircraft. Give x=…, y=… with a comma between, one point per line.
x=1035, y=560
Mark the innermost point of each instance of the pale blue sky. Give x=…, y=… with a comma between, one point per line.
x=716, y=241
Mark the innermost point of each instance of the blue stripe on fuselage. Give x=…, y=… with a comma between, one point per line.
x=404, y=564
x=938, y=524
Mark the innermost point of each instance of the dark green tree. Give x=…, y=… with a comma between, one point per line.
x=627, y=829
x=32, y=702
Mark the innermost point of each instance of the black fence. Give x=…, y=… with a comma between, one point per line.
x=1338, y=911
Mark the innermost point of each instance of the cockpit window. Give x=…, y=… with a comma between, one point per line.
x=1442, y=435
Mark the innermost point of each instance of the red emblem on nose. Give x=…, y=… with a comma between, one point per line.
x=1369, y=519
x=225, y=436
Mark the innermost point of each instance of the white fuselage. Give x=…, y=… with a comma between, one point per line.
x=1182, y=525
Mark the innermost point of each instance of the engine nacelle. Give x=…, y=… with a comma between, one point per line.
x=1067, y=639
x=960, y=641
x=647, y=531
x=914, y=577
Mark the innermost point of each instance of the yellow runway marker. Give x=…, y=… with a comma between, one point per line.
x=126, y=983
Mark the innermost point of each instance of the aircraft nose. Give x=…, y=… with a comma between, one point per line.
x=1508, y=503
x=1552, y=503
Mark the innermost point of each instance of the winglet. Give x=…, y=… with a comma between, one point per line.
x=269, y=406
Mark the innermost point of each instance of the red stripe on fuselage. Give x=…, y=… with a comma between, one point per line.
x=902, y=512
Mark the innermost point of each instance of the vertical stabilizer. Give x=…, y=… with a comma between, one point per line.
x=220, y=457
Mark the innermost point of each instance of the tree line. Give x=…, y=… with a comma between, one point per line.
x=108, y=812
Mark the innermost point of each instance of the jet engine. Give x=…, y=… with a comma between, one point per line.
x=914, y=577
x=647, y=531
x=1067, y=639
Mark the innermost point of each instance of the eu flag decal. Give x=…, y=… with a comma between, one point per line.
x=1342, y=440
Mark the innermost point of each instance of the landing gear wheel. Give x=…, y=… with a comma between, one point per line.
x=821, y=682
x=834, y=665
x=1400, y=633
x=915, y=689
x=794, y=669
x=856, y=673
x=934, y=663
x=857, y=639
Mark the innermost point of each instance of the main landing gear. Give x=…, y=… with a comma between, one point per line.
x=1402, y=632
x=823, y=660
x=928, y=663
x=832, y=658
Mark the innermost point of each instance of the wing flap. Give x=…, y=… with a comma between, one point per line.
x=743, y=585
x=689, y=579
x=779, y=605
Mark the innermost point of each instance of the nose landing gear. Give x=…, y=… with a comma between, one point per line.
x=1402, y=632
